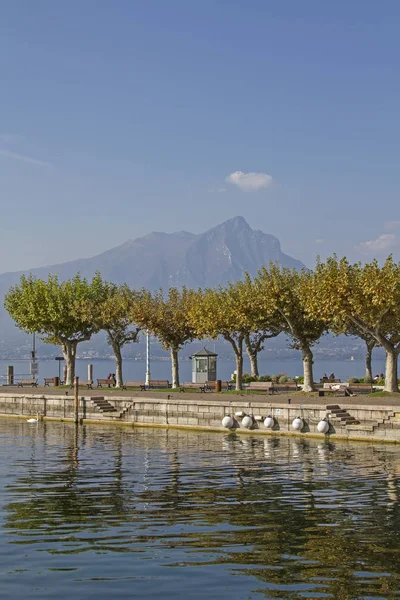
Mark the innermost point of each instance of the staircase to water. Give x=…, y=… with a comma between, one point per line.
x=343, y=417
x=107, y=409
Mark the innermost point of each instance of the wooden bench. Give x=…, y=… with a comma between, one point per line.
x=31, y=382
x=159, y=383
x=324, y=380
x=105, y=382
x=134, y=384
x=188, y=385
x=290, y=386
x=367, y=388
x=209, y=386
x=262, y=386
x=82, y=383
x=337, y=389
x=50, y=381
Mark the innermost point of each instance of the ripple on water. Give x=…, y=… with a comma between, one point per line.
x=101, y=511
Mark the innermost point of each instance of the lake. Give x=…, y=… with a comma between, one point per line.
x=135, y=370
x=118, y=512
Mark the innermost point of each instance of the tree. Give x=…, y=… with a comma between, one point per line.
x=116, y=319
x=166, y=317
x=370, y=343
x=254, y=343
x=278, y=294
x=62, y=313
x=225, y=312
x=365, y=297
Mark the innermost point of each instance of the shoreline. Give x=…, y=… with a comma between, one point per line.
x=364, y=419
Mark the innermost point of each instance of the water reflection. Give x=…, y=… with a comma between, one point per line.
x=196, y=513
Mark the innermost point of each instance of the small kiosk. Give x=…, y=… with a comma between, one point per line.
x=204, y=366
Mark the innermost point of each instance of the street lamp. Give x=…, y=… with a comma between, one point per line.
x=147, y=382
x=59, y=358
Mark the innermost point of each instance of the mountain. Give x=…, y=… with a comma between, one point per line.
x=157, y=260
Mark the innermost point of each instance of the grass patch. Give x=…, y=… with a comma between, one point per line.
x=383, y=394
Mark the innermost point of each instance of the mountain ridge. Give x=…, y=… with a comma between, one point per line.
x=161, y=260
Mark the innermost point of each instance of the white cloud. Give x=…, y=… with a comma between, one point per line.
x=392, y=225
x=23, y=158
x=383, y=243
x=319, y=241
x=249, y=182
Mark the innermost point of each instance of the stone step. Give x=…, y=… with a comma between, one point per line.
x=104, y=405
x=361, y=427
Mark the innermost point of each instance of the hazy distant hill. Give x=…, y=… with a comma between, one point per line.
x=157, y=260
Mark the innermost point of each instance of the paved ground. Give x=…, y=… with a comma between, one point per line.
x=280, y=398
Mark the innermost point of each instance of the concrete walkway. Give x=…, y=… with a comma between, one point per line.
x=296, y=398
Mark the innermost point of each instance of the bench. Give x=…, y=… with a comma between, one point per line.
x=325, y=380
x=188, y=385
x=270, y=387
x=50, y=381
x=134, y=384
x=83, y=382
x=210, y=386
x=338, y=389
x=159, y=383
x=361, y=387
x=105, y=382
x=290, y=386
x=31, y=382
x=262, y=386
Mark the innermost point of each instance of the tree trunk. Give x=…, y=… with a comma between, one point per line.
x=254, y=365
x=69, y=351
x=307, y=357
x=175, y=367
x=238, y=350
x=391, y=384
x=253, y=356
x=239, y=370
x=119, y=381
x=368, y=360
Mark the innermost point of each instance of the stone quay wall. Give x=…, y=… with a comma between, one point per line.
x=380, y=423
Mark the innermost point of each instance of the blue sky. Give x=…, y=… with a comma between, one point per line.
x=121, y=118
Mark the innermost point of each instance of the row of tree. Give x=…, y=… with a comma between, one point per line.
x=354, y=299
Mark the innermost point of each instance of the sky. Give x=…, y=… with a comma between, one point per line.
x=126, y=117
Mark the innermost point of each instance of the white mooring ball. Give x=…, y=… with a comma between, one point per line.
x=269, y=422
x=247, y=422
x=323, y=426
x=298, y=424
x=227, y=422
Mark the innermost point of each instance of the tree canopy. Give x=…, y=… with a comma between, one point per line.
x=365, y=297
x=166, y=316
x=62, y=313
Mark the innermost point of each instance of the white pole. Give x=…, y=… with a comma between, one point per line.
x=147, y=358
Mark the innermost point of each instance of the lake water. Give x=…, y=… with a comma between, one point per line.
x=135, y=370
x=107, y=512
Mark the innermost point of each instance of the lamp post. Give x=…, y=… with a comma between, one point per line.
x=59, y=359
x=147, y=382
x=34, y=364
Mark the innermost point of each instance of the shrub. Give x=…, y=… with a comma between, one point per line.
x=354, y=380
x=284, y=379
x=300, y=379
x=247, y=378
x=265, y=378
